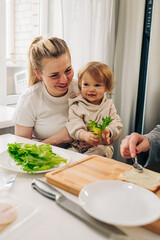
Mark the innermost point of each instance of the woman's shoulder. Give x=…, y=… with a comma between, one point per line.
x=32, y=91
x=30, y=96
x=74, y=98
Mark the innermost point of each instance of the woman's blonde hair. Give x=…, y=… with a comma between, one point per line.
x=100, y=72
x=44, y=48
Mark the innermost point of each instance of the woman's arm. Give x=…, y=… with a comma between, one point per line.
x=22, y=131
x=60, y=137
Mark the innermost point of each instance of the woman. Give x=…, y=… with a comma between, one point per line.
x=42, y=110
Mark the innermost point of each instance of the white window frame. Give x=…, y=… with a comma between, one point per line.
x=10, y=28
x=4, y=98
x=12, y=99
x=3, y=88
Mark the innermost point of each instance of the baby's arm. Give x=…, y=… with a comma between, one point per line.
x=115, y=126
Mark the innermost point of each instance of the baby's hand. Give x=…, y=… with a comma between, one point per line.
x=106, y=135
x=91, y=139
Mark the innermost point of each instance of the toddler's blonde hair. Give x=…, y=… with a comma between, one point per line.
x=100, y=72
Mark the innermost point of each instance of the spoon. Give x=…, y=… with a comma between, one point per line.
x=137, y=166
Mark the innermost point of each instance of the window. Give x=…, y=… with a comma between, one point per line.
x=21, y=18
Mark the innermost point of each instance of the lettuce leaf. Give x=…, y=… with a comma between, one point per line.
x=34, y=157
x=97, y=128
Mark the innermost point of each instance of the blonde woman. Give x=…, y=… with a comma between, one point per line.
x=42, y=110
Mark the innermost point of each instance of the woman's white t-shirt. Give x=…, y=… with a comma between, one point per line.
x=38, y=109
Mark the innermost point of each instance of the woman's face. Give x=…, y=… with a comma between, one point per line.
x=57, y=74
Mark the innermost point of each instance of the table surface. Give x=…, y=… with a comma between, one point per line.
x=51, y=221
x=6, y=115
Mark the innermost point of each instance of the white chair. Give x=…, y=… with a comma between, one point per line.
x=21, y=81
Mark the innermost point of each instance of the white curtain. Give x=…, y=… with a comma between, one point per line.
x=152, y=103
x=88, y=27
x=127, y=63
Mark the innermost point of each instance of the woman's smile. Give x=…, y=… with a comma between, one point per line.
x=57, y=74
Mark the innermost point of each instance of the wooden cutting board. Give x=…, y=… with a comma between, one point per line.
x=73, y=177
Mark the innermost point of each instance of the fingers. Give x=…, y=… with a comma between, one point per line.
x=124, y=147
x=92, y=139
x=106, y=135
x=107, y=139
x=131, y=145
x=144, y=145
x=133, y=141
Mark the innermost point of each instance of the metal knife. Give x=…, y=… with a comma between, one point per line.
x=112, y=232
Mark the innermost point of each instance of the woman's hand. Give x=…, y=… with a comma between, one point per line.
x=60, y=137
x=89, y=137
x=133, y=144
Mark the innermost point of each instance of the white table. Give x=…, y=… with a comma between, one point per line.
x=51, y=221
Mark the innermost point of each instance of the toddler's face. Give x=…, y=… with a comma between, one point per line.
x=92, y=90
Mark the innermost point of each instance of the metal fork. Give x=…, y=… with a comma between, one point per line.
x=137, y=166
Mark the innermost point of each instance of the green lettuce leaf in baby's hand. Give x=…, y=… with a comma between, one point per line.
x=34, y=157
x=97, y=128
x=93, y=126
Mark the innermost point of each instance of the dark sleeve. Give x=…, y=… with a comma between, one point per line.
x=151, y=159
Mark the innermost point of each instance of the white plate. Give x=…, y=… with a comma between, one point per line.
x=120, y=203
x=7, y=162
